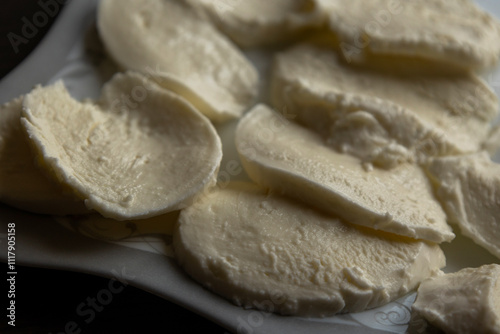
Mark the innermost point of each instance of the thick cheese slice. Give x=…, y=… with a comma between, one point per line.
x=181, y=50
x=142, y=151
x=467, y=301
x=449, y=32
x=22, y=183
x=469, y=189
x=261, y=22
x=382, y=117
x=273, y=253
x=284, y=156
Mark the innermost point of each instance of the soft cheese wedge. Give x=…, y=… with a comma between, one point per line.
x=384, y=118
x=178, y=47
x=275, y=254
x=282, y=155
x=262, y=22
x=449, y=32
x=463, y=302
x=142, y=151
x=22, y=184
x=469, y=189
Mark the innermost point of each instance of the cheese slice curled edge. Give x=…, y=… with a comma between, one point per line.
x=275, y=254
x=467, y=301
x=177, y=47
x=281, y=155
x=142, y=151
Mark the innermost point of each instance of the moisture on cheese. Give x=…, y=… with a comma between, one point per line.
x=140, y=152
x=272, y=253
x=179, y=48
x=449, y=32
x=284, y=156
x=467, y=301
x=22, y=183
x=469, y=189
x=384, y=118
x=262, y=22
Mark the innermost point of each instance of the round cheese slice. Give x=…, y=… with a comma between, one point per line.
x=382, y=117
x=274, y=254
x=281, y=155
x=142, y=151
x=181, y=50
x=261, y=22
x=450, y=32
x=22, y=183
x=463, y=302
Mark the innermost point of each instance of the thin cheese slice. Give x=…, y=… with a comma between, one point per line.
x=467, y=301
x=275, y=254
x=261, y=22
x=142, y=151
x=382, y=117
x=469, y=190
x=449, y=32
x=22, y=184
x=281, y=155
x=175, y=45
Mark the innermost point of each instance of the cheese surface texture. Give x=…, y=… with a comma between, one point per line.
x=272, y=253
x=22, y=184
x=382, y=117
x=451, y=32
x=179, y=48
x=284, y=156
x=469, y=189
x=466, y=301
x=261, y=22
x=141, y=151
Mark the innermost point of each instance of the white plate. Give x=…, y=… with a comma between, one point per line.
x=145, y=262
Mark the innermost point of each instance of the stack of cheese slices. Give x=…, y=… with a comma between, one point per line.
x=373, y=136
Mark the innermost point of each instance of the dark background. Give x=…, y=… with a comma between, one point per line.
x=47, y=299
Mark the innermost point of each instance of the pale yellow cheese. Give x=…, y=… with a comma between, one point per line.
x=262, y=22
x=469, y=189
x=450, y=32
x=275, y=254
x=284, y=156
x=467, y=301
x=181, y=50
x=382, y=117
x=142, y=151
x=22, y=184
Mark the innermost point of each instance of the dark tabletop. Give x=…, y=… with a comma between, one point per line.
x=46, y=299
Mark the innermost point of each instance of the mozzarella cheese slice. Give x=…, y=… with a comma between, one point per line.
x=142, y=151
x=469, y=190
x=272, y=253
x=463, y=302
x=384, y=118
x=281, y=155
x=22, y=184
x=262, y=22
x=450, y=32
x=178, y=48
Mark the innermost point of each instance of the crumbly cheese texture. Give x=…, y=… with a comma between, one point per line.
x=261, y=22
x=450, y=32
x=142, y=151
x=284, y=156
x=233, y=243
x=384, y=118
x=467, y=301
x=177, y=46
x=22, y=184
x=469, y=189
